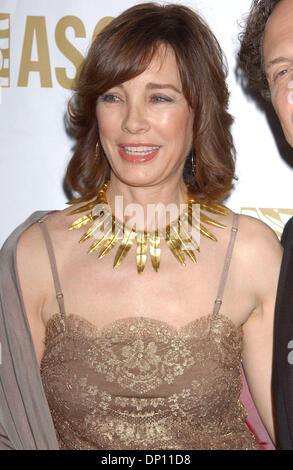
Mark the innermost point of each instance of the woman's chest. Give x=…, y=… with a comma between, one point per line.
x=176, y=293
x=94, y=289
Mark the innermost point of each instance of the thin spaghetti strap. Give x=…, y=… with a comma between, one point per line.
x=219, y=299
x=59, y=294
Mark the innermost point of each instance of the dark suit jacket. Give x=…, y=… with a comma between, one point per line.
x=282, y=381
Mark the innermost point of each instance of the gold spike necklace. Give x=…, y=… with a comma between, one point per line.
x=108, y=230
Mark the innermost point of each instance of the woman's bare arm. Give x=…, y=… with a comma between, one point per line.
x=261, y=257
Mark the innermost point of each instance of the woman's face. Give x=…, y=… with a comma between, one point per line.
x=146, y=124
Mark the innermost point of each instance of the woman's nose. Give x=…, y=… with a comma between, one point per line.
x=135, y=120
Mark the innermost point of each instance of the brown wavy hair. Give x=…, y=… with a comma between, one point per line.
x=250, y=55
x=122, y=51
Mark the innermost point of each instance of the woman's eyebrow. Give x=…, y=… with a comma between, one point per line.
x=151, y=86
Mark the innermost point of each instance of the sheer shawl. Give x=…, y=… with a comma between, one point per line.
x=25, y=419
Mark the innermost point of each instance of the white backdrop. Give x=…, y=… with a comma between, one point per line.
x=34, y=146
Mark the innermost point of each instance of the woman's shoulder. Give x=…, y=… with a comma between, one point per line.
x=56, y=221
x=27, y=226
x=259, y=248
x=28, y=234
x=32, y=261
x=254, y=234
x=32, y=242
x=257, y=256
x=21, y=257
x=255, y=229
x=251, y=231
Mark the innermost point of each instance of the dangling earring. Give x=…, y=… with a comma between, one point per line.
x=193, y=166
x=97, y=149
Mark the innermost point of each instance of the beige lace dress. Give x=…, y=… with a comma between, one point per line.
x=139, y=383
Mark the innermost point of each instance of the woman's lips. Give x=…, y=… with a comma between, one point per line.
x=139, y=153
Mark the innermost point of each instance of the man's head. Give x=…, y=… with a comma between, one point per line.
x=278, y=63
x=266, y=56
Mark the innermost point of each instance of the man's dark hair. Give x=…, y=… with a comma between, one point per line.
x=250, y=56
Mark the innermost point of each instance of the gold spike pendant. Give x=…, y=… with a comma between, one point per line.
x=107, y=230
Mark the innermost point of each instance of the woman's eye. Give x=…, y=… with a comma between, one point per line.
x=161, y=99
x=109, y=98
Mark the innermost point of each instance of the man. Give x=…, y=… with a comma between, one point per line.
x=266, y=57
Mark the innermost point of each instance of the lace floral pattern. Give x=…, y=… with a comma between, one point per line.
x=140, y=384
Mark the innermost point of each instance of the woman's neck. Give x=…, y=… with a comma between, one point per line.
x=147, y=207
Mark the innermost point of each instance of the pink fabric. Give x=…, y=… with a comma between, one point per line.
x=253, y=421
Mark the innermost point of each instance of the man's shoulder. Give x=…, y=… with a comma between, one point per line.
x=287, y=236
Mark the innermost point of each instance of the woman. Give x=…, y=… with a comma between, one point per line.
x=144, y=352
